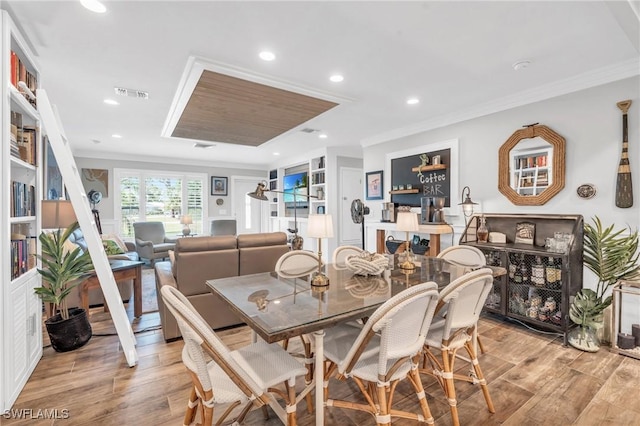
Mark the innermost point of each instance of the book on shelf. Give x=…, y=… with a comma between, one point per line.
x=20, y=74
x=23, y=250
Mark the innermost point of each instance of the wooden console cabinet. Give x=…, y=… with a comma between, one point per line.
x=542, y=301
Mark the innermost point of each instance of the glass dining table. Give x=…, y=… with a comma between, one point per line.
x=277, y=308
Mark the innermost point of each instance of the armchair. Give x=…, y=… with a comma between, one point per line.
x=151, y=241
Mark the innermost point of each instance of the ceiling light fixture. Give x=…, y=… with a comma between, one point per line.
x=336, y=78
x=132, y=93
x=413, y=101
x=323, y=136
x=116, y=136
x=96, y=141
x=94, y=6
x=111, y=102
x=520, y=65
x=265, y=55
x=276, y=153
x=203, y=145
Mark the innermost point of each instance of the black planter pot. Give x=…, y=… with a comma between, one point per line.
x=70, y=334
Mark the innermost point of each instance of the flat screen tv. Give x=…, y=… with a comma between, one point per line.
x=299, y=182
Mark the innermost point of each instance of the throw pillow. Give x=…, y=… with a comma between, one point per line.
x=111, y=247
x=117, y=240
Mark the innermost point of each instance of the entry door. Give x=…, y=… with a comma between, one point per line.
x=350, y=189
x=246, y=210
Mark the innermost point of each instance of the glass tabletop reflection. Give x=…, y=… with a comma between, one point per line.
x=278, y=308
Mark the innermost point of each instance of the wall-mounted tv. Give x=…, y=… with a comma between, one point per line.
x=299, y=182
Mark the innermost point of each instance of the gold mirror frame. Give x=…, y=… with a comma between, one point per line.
x=556, y=141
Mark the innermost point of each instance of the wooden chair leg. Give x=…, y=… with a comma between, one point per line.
x=291, y=404
x=414, y=378
x=192, y=406
x=480, y=345
x=480, y=377
x=383, y=418
x=450, y=390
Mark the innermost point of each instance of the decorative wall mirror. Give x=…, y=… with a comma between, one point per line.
x=531, y=165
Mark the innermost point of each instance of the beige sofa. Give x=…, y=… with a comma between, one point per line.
x=198, y=259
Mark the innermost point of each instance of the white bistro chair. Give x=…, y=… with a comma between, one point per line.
x=472, y=258
x=222, y=377
x=341, y=253
x=383, y=352
x=463, y=300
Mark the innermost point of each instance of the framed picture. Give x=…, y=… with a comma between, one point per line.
x=218, y=185
x=525, y=232
x=374, y=185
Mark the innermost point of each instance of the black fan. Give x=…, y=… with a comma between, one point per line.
x=94, y=198
x=358, y=211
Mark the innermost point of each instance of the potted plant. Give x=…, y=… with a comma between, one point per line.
x=68, y=328
x=612, y=256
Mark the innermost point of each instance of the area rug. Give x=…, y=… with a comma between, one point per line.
x=149, y=296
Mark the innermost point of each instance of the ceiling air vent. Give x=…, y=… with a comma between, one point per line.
x=132, y=93
x=203, y=145
x=309, y=130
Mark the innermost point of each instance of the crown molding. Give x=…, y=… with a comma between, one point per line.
x=619, y=71
x=165, y=160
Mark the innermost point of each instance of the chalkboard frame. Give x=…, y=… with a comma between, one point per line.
x=453, y=146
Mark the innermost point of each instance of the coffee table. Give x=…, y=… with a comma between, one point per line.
x=122, y=270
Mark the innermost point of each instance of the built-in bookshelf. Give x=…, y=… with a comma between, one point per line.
x=318, y=185
x=273, y=196
x=20, y=333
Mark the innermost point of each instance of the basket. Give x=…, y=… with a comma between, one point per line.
x=393, y=244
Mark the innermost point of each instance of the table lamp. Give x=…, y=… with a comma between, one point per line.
x=186, y=220
x=320, y=226
x=57, y=214
x=407, y=222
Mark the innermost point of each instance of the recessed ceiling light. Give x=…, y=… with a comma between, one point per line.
x=323, y=136
x=413, y=101
x=94, y=6
x=520, y=65
x=116, y=136
x=265, y=55
x=336, y=78
x=111, y=102
x=276, y=153
x=96, y=141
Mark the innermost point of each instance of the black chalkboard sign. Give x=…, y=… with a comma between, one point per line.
x=432, y=181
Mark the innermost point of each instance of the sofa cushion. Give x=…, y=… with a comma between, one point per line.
x=262, y=240
x=205, y=244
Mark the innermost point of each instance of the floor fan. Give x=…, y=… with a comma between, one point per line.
x=358, y=211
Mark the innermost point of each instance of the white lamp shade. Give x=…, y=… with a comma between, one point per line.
x=407, y=221
x=186, y=220
x=320, y=226
x=57, y=214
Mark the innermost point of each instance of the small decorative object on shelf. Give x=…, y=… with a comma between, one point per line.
x=483, y=232
x=525, y=232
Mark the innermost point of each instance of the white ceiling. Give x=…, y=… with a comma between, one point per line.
x=455, y=56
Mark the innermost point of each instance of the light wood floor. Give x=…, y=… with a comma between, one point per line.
x=533, y=380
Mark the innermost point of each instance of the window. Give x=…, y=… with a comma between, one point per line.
x=167, y=196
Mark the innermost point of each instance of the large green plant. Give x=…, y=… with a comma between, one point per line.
x=61, y=270
x=611, y=256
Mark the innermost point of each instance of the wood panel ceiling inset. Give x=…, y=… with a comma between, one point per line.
x=232, y=110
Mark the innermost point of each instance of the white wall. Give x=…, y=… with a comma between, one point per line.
x=590, y=122
x=107, y=203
